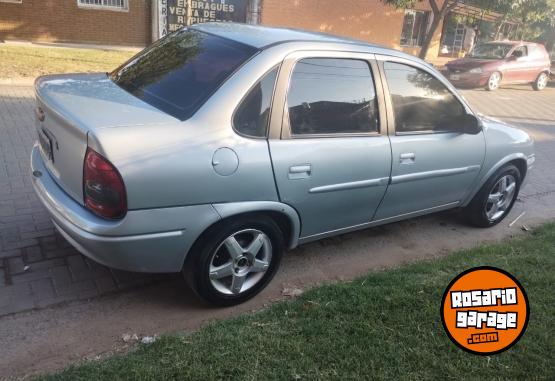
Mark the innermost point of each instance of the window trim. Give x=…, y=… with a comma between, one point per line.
x=290, y=63
x=429, y=19
x=244, y=97
x=389, y=104
x=102, y=7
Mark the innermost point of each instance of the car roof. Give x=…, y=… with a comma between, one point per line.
x=513, y=43
x=262, y=37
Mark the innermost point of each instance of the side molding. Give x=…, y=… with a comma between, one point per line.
x=235, y=208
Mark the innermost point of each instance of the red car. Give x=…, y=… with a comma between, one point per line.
x=492, y=64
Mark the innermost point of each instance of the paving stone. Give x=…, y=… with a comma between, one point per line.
x=78, y=268
x=105, y=285
x=16, y=265
x=30, y=275
x=32, y=254
x=9, y=253
x=42, y=289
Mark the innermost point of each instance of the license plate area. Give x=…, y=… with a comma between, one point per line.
x=45, y=144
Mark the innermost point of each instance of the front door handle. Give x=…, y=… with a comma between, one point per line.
x=407, y=158
x=299, y=171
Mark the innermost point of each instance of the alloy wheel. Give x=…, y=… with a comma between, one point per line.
x=500, y=197
x=494, y=80
x=541, y=82
x=240, y=261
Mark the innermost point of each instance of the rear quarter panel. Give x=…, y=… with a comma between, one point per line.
x=170, y=164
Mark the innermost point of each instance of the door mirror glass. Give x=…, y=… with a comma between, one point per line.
x=468, y=124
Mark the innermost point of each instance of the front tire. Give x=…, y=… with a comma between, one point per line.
x=541, y=82
x=235, y=260
x=494, y=81
x=496, y=198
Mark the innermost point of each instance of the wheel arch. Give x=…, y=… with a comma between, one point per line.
x=284, y=215
x=517, y=159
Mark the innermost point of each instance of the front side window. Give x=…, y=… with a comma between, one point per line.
x=420, y=101
x=253, y=115
x=520, y=51
x=414, y=29
x=179, y=72
x=332, y=96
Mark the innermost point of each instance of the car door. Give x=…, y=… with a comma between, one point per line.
x=435, y=163
x=330, y=153
x=517, y=66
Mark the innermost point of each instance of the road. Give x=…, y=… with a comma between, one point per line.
x=63, y=308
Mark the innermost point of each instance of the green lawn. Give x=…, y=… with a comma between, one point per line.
x=30, y=62
x=383, y=326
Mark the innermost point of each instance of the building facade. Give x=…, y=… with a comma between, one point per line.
x=139, y=22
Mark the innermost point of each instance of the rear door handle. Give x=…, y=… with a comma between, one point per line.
x=299, y=171
x=407, y=158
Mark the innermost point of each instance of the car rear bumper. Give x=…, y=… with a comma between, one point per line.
x=153, y=240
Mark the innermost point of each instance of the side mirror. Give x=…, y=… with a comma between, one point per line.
x=469, y=124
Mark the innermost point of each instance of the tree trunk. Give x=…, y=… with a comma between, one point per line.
x=550, y=43
x=430, y=35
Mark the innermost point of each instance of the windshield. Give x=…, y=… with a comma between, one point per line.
x=491, y=51
x=178, y=73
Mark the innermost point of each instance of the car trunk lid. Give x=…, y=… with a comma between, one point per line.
x=72, y=105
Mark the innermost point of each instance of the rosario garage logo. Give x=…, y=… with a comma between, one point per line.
x=485, y=310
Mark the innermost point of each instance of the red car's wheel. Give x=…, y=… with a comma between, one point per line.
x=494, y=81
x=541, y=82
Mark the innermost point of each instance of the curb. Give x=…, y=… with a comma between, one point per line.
x=17, y=81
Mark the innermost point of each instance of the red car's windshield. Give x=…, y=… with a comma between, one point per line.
x=491, y=51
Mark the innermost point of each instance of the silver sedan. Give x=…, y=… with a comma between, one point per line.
x=221, y=145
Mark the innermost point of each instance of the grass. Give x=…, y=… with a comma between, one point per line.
x=30, y=62
x=383, y=326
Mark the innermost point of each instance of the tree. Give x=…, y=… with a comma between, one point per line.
x=439, y=12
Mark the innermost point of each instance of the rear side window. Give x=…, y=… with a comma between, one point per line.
x=180, y=72
x=332, y=96
x=253, y=115
x=537, y=51
x=420, y=101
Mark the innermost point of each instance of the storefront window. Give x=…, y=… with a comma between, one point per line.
x=415, y=25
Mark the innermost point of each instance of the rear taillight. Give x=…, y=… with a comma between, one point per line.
x=103, y=187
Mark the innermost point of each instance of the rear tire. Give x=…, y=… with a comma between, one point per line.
x=234, y=260
x=541, y=82
x=494, y=81
x=496, y=198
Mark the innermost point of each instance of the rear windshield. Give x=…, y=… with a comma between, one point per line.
x=178, y=73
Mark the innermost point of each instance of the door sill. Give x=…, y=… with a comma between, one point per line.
x=382, y=221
